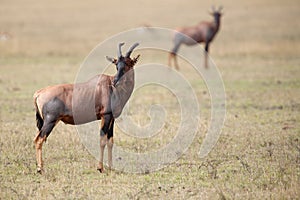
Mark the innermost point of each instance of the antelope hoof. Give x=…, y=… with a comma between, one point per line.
x=100, y=169
x=39, y=170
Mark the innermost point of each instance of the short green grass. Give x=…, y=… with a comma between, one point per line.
x=257, y=52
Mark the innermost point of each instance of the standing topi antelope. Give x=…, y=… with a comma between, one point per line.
x=203, y=32
x=101, y=98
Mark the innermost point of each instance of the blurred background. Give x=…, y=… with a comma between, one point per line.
x=56, y=28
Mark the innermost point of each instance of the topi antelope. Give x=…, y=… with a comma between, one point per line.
x=101, y=98
x=203, y=32
x=4, y=36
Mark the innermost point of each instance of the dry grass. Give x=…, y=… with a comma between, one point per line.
x=257, y=52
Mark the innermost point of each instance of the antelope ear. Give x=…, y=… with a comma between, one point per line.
x=212, y=10
x=112, y=60
x=136, y=59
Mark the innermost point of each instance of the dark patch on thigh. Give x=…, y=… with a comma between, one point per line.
x=53, y=109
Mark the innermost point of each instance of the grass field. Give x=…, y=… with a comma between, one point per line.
x=256, y=51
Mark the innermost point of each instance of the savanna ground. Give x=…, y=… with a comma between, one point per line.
x=256, y=51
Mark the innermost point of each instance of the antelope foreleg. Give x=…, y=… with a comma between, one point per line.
x=103, y=142
x=109, y=151
x=173, y=56
x=170, y=59
x=206, y=55
x=205, y=61
x=175, y=62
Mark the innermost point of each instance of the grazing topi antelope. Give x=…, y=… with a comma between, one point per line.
x=202, y=32
x=101, y=98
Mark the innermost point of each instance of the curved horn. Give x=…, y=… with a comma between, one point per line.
x=213, y=8
x=220, y=8
x=131, y=49
x=120, y=52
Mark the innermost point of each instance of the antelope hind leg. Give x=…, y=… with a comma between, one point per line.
x=38, y=148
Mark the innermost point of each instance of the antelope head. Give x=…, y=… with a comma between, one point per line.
x=123, y=63
x=216, y=13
